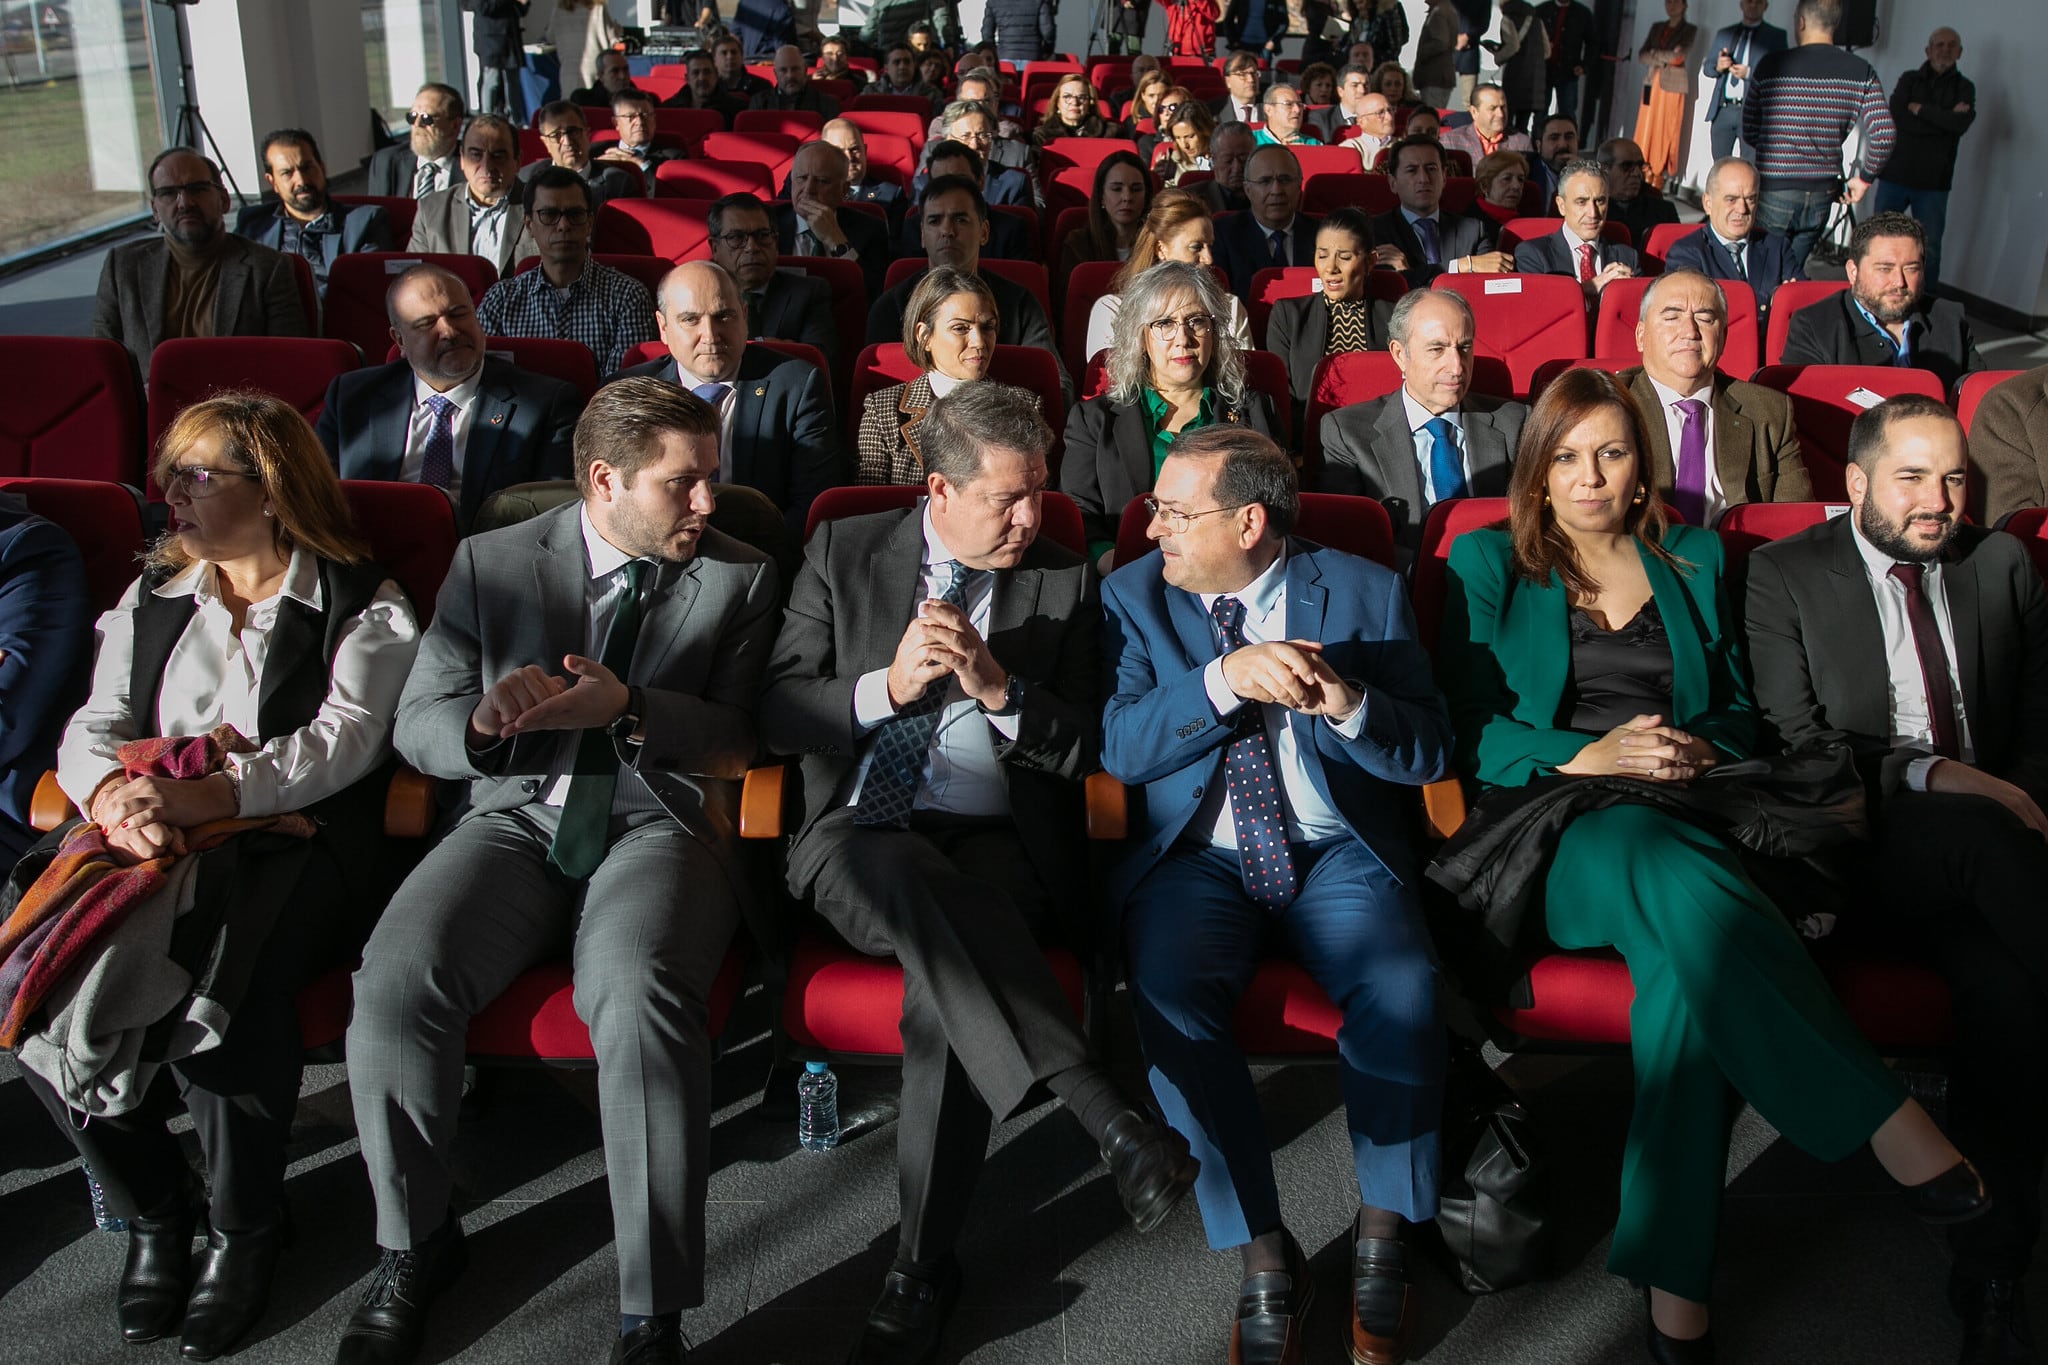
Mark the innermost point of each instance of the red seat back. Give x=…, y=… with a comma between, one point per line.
x=712, y=179
x=1066, y=167
x=1970, y=392
x=1446, y=522
x=673, y=229
x=569, y=361
x=1327, y=163
x=1789, y=298
x=1620, y=303
x=692, y=126
x=357, y=281
x=1373, y=193
x=399, y=210
x=905, y=116
x=1516, y=231
x=1823, y=409
x=1361, y=376
x=71, y=410
x=892, y=151
x=802, y=124
x=1089, y=282
x=2030, y=524
x=1461, y=191
x=1523, y=319
x=667, y=87
x=1060, y=518
x=296, y=369
x=308, y=290
x=1663, y=237
x=103, y=519
x=773, y=150
x=410, y=528
x=1747, y=525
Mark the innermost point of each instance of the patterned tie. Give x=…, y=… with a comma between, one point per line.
x=1585, y=263
x=1689, y=489
x=902, y=742
x=1941, y=696
x=1736, y=251
x=437, y=459
x=1432, y=245
x=1256, y=810
x=423, y=180
x=1276, y=247
x=1446, y=470
x=581, y=836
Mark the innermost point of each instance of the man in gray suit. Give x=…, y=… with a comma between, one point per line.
x=1432, y=438
x=481, y=215
x=590, y=678
x=197, y=279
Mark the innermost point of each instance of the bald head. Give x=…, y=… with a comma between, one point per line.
x=847, y=138
x=701, y=319
x=820, y=172
x=1944, y=50
x=433, y=320
x=791, y=73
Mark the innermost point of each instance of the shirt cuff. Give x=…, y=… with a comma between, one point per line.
x=1006, y=726
x=1353, y=725
x=871, y=704
x=1917, y=771
x=1220, y=696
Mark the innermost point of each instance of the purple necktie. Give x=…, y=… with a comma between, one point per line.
x=1689, y=493
x=437, y=454
x=1256, y=809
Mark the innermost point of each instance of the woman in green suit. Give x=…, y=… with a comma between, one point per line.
x=1589, y=637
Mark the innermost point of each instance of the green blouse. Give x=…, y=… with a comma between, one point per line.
x=1155, y=428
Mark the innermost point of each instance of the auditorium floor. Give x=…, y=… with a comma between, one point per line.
x=1820, y=1265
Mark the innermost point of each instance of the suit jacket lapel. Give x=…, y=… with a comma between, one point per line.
x=894, y=577
x=1012, y=608
x=667, y=614
x=1960, y=583
x=1394, y=446
x=914, y=402
x=1663, y=461
x=560, y=569
x=1192, y=625
x=390, y=417
x=151, y=267
x=1734, y=444
x=1857, y=632
x=1689, y=686
x=227, y=296
x=1128, y=432
x=495, y=406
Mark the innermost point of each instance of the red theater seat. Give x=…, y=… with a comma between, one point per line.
x=535, y=1020
x=773, y=150
x=1275, y=283
x=673, y=229
x=802, y=124
x=1523, y=319
x=1551, y=369
x=1790, y=297
x=1826, y=401
x=1971, y=390
x=712, y=179
x=104, y=520
x=840, y=1001
x=1663, y=237
x=411, y=531
x=1516, y=231
x=1747, y=525
x=1066, y=167
x=1327, y=163
x=358, y=280
x=72, y=411
x=297, y=369
x=692, y=126
x=1445, y=523
x=1620, y=303
x=1372, y=192
x=863, y=107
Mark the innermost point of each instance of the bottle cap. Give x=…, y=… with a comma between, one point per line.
x=817, y=1068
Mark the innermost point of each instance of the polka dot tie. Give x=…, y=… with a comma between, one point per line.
x=1256, y=809
x=902, y=743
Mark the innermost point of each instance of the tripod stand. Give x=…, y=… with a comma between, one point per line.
x=188, y=126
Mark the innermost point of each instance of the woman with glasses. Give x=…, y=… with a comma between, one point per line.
x=1072, y=111
x=1175, y=103
x=1116, y=212
x=949, y=333
x=1172, y=368
x=1342, y=316
x=261, y=622
x=1178, y=228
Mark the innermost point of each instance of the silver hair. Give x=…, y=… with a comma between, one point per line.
x=1582, y=166
x=1397, y=325
x=960, y=430
x=962, y=108
x=1720, y=294
x=1130, y=371
x=1714, y=171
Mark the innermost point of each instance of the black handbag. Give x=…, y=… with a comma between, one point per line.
x=1493, y=1205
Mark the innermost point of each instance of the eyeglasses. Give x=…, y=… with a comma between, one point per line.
x=197, y=481
x=1273, y=182
x=195, y=189
x=558, y=217
x=1166, y=329
x=1283, y=104
x=1636, y=165
x=422, y=120
x=562, y=134
x=1178, y=521
x=737, y=238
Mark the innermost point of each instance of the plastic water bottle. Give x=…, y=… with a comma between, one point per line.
x=104, y=1221
x=817, y=1108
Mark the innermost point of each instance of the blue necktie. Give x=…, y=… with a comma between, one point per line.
x=889, y=792
x=1432, y=245
x=1276, y=247
x=1446, y=470
x=714, y=394
x=1257, y=811
x=437, y=458
x=1910, y=338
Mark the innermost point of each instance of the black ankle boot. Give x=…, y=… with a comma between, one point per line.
x=232, y=1289
x=157, y=1276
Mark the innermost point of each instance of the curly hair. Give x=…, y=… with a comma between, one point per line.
x=1130, y=368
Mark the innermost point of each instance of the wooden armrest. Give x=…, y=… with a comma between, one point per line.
x=49, y=807
x=409, y=805
x=761, y=802
x=1443, y=807
x=1108, y=807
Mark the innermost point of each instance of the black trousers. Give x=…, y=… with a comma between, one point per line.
x=1967, y=878
x=241, y=1094
x=955, y=900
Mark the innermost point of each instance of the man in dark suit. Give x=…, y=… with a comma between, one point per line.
x=1274, y=231
x=1240, y=102
x=793, y=88
x=445, y=413
x=639, y=145
x=590, y=680
x=787, y=305
x=733, y=76
x=1630, y=200
x=702, y=89
x=1921, y=643
x=1714, y=441
x=815, y=222
x=1291, y=812
x=1885, y=316
x=496, y=36
x=1230, y=150
x=974, y=127
x=1557, y=146
x=46, y=645
x=426, y=161
x=1009, y=237
x=304, y=221
x=614, y=78
x=776, y=431
x=937, y=670
x=1731, y=55
x=862, y=184
x=563, y=129
x=1432, y=438
x=1418, y=238
x=1576, y=250
x=195, y=278
x=1731, y=246
x=1569, y=27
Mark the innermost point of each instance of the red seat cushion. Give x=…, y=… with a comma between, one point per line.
x=536, y=1020
x=838, y=1000
x=1580, y=998
x=324, y=1005
x=1283, y=1011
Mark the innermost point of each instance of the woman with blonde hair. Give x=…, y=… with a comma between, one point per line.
x=949, y=333
x=1178, y=228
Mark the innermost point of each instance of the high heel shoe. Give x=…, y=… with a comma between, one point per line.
x=1665, y=1350
x=1955, y=1196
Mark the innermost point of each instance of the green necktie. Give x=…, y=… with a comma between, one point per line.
x=581, y=836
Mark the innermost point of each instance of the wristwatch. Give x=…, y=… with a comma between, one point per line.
x=1013, y=698
x=628, y=723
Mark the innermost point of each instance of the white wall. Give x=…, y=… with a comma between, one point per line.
x=267, y=64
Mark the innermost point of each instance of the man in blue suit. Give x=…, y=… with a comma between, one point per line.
x=444, y=413
x=1731, y=246
x=45, y=658
x=304, y=221
x=1272, y=710
x=1731, y=56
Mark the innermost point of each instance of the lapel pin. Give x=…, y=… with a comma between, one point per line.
x=761, y=392
x=497, y=419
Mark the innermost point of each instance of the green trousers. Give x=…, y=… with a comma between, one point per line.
x=1725, y=995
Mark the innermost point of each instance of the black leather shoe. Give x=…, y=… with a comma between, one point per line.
x=156, y=1279
x=904, y=1326
x=1382, y=1302
x=656, y=1341
x=1955, y=1196
x=1152, y=1167
x=232, y=1288
x=1665, y=1350
x=1272, y=1314
x=388, y=1324
x=1995, y=1326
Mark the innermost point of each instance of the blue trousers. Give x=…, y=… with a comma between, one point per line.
x=1194, y=940
x=1801, y=215
x=1726, y=129
x=1928, y=207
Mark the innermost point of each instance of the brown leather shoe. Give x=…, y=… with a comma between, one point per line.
x=1382, y=1302
x=1272, y=1313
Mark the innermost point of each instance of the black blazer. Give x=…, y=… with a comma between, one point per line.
x=1817, y=649
x=1242, y=251
x=1298, y=331
x=1550, y=255
x=45, y=621
x=869, y=235
x=1833, y=332
x=798, y=307
x=521, y=432
x=1109, y=460
x=1458, y=234
x=363, y=227
x=784, y=441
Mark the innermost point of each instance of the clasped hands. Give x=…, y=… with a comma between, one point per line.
x=146, y=817
x=1293, y=674
x=1647, y=748
x=939, y=641
x=530, y=698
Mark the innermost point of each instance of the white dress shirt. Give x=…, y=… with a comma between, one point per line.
x=1309, y=816
x=487, y=226
x=445, y=173
x=961, y=774
x=942, y=384
x=463, y=396
x=1418, y=419
x=1572, y=243
x=726, y=407
x=214, y=676
x=1910, y=725
x=1674, y=428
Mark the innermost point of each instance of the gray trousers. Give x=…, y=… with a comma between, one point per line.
x=645, y=937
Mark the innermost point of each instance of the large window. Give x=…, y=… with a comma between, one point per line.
x=80, y=110
x=403, y=50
